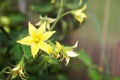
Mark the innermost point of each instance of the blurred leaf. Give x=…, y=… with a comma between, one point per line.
x=93, y=74
x=17, y=52
x=17, y=18
x=116, y=78
x=62, y=77
x=26, y=51
x=50, y=59
x=72, y=4
x=3, y=38
x=43, y=7
x=85, y=57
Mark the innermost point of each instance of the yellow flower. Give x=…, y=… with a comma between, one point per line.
x=45, y=20
x=18, y=70
x=37, y=38
x=79, y=14
x=52, y=1
x=66, y=52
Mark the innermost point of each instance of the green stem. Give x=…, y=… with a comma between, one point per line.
x=4, y=69
x=99, y=33
x=59, y=13
x=64, y=14
x=9, y=77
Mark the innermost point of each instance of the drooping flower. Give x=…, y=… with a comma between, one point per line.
x=37, y=38
x=79, y=14
x=66, y=52
x=45, y=20
x=18, y=70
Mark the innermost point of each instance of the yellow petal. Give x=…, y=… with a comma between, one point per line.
x=47, y=35
x=26, y=41
x=75, y=45
x=51, y=20
x=81, y=17
x=22, y=74
x=42, y=28
x=71, y=54
x=41, y=18
x=84, y=8
x=43, y=46
x=49, y=49
x=35, y=49
x=48, y=26
x=38, y=23
x=67, y=60
x=79, y=11
x=58, y=47
x=32, y=30
x=14, y=75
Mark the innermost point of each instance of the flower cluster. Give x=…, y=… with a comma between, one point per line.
x=38, y=38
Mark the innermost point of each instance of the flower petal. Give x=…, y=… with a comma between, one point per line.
x=14, y=75
x=75, y=45
x=79, y=19
x=32, y=30
x=67, y=60
x=48, y=26
x=35, y=49
x=42, y=28
x=26, y=41
x=49, y=49
x=51, y=20
x=58, y=47
x=38, y=23
x=71, y=54
x=22, y=74
x=83, y=8
x=47, y=35
x=43, y=46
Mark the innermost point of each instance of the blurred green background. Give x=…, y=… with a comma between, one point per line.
x=98, y=36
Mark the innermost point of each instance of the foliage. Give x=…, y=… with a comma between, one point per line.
x=36, y=53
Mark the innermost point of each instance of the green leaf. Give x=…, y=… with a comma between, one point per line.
x=116, y=78
x=62, y=77
x=17, y=18
x=50, y=59
x=72, y=4
x=85, y=57
x=43, y=7
x=26, y=51
x=17, y=52
x=93, y=74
